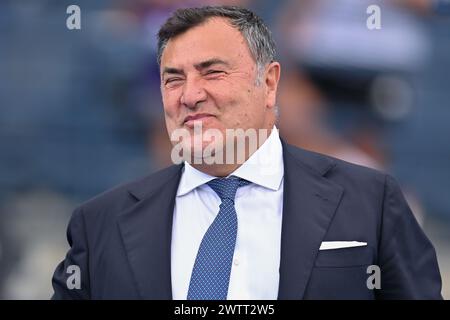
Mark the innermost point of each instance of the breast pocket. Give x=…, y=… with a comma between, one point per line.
x=346, y=257
x=341, y=274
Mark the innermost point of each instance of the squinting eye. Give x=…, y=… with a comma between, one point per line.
x=171, y=80
x=213, y=71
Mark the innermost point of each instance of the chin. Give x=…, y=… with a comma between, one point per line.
x=204, y=151
x=203, y=146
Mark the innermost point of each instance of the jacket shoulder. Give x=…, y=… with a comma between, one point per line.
x=122, y=196
x=334, y=168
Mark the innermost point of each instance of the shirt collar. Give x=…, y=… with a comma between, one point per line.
x=265, y=167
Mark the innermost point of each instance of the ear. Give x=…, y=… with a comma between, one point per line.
x=271, y=81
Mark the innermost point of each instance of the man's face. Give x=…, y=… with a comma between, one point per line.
x=208, y=76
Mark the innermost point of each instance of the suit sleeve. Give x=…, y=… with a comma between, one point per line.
x=71, y=277
x=407, y=259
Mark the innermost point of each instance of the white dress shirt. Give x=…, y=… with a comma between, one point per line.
x=259, y=205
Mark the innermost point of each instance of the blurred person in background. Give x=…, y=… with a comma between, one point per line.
x=355, y=83
x=303, y=121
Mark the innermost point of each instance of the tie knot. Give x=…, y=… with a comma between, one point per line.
x=226, y=187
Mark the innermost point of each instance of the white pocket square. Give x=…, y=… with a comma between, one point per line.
x=329, y=245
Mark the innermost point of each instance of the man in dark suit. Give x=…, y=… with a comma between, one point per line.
x=281, y=223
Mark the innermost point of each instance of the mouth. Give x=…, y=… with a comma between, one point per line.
x=189, y=120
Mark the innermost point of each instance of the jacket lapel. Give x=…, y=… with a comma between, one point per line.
x=309, y=203
x=146, y=230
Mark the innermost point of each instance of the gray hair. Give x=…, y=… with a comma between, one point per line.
x=258, y=36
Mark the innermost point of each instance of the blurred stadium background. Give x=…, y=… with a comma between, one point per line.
x=80, y=110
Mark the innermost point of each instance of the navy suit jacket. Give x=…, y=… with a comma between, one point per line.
x=121, y=239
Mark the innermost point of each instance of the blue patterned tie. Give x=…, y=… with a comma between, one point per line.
x=211, y=274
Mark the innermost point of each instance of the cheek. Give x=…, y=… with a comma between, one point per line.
x=170, y=104
x=254, y=110
x=170, y=116
x=250, y=99
x=237, y=105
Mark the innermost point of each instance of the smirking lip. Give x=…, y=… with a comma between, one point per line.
x=191, y=120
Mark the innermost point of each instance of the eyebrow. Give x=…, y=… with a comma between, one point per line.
x=170, y=70
x=210, y=62
x=199, y=66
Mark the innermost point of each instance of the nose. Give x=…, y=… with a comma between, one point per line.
x=193, y=93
